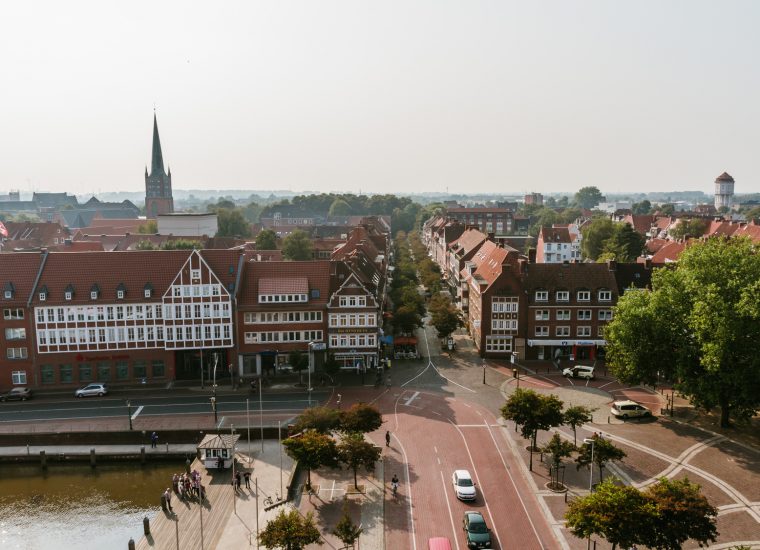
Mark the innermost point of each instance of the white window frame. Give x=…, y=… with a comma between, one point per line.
x=583, y=330
x=542, y=330
x=18, y=377
x=120, y=294
x=563, y=331
x=563, y=315
x=563, y=296
x=584, y=314
x=543, y=315
x=584, y=295
x=542, y=296
x=605, y=315
x=605, y=295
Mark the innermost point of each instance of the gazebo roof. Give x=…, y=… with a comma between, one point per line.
x=218, y=441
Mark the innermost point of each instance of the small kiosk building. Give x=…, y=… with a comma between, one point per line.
x=216, y=446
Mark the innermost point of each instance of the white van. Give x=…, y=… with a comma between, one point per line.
x=579, y=371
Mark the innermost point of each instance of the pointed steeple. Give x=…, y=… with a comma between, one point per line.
x=157, y=159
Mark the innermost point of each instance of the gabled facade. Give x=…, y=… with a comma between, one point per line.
x=461, y=251
x=558, y=244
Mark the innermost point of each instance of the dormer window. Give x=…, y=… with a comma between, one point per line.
x=147, y=293
x=542, y=295
x=67, y=296
x=605, y=295
x=120, y=294
x=8, y=294
x=584, y=295
x=43, y=296
x=563, y=296
x=121, y=291
x=93, y=295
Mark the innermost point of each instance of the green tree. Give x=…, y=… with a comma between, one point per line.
x=444, y=315
x=145, y=245
x=290, y=531
x=331, y=365
x=346, y=530
x=339, y=207
x=297, y=246
x=557, y=449
x=667, y=209
x=588, y=197
x=321, y=419
x=618, y=514
x=406, y=319
x=625, y=243
x=299, y=362
x=604, y=452
x=231, y=223
x=698, y=326
x=266, y=240
x=643, y=207
x=312, y=450
x=575, y=416
x=180, y=244
x=532, y=412
x=694, y=227
x=354, y=451
x=360, y=417
x=150, y=227
x=683, y=513
x=595, y=236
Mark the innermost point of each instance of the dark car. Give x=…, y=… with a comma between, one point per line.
x=18, y=394
x=478, y=533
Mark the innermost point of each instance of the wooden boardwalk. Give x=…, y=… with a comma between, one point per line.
x=182, y=530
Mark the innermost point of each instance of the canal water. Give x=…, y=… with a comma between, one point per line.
x=76, y=507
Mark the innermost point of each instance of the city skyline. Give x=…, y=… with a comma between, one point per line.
x=474, y=98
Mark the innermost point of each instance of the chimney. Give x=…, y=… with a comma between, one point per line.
x=611, y=265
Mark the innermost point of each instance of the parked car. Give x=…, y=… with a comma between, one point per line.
x=18, y=394
x=92, y=389
x=477, y=532
x=629, y=409
x=579, y=371
x=463, y=485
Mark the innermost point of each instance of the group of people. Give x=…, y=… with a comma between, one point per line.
x=236, y=480
x=188, y=486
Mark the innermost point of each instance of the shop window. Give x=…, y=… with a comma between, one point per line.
x=139, y=369
x=159, y=370
x=47, y=374
x=85, y=373
x=104, y=371
x=65, y=374
x=122, y=370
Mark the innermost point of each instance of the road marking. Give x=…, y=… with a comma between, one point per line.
x=438, y=458
x=448, y=505
x=137, y=412
x=607, y=384
x=221, y=422
x=477, y=479
x=412, y=398
x=406, y=473
x=522, y=502
x=435, y=449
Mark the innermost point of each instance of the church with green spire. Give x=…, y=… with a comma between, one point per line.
x=158, y=183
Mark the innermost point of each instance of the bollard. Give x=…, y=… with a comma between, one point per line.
x=142, y=454
x=608, y=419
x=164, y=507
x=131, y=544
x=167, y=446
x=43, y=460
x=92, y=458
x=28, y=452
x=146, y=526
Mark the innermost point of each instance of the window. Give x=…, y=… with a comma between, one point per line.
x=15, y=334
x=195, y=274
x=16, y=353
x=605, y=314
x=563, y=331
x=85, y=373
x=584, y=295
x=600, y=331
x=584, y=314
x=147, y=293
x=67, y=295
x=94, y=295
x=158, y=369
x=122, y=370
x=605, y=295
x=499, y=343
x=13, y=314
x=8, y=294
x=542, y=315
x=542, y=295
x=104, y=371
x=139, y=369
x=584, y=331
x=542, y=331
x=563, y=296
x=43, y=296
x=120, y=294
x=64, y=373
x=18, y=377
x=563, y=315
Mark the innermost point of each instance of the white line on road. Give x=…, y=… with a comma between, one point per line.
x=412, y=398
x=406, y=473
x=477, y=479
x=435, y=449
x=137, y=412
x=451, y=516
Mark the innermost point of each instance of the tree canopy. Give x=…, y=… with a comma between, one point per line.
x=231, y=223
x=361, y=418
x=354, y=451
x=602, y=453
x=694, y=227
x=297, y=246
x=290, y=531
x=588, y=197
x=321, y=419
x=698, y=327
x=532, y=412
x=312, y=450
x=444, y=315
x=266, y=240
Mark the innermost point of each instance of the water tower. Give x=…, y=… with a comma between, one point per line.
x=724, y=191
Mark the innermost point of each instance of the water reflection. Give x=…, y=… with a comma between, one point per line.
x=76, y=507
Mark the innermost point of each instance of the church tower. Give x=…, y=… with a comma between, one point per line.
x=158, y=184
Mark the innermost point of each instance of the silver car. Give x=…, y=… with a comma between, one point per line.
x=92, y=389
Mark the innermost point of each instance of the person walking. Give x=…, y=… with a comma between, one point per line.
x=153, y=440
x=388, y=439
x=168, y=497
x=237, y=481
x=247, y=477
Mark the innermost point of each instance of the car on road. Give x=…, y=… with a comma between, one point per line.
x=629, y=409
x=579, y=371
x=464, y=487
x=477, y=532
x=92, y=389
x=17, y=394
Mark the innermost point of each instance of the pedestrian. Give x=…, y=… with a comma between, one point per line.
x=247, y=477
x=219, y=463
x=388, y=439
x=237, y=481
x=168, y=497
x=153, y=440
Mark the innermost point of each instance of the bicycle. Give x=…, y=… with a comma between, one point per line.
x=269, y=502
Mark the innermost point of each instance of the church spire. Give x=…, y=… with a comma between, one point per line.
x=157, y=159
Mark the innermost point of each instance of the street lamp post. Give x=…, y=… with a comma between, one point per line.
x=129, y=413
x=308, y=371
x=484, y=370
x=590, y=441
x=213, y=407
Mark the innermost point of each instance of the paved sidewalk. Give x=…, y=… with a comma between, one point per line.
x=52, y=450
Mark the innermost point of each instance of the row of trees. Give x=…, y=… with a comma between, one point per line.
x=408, y=303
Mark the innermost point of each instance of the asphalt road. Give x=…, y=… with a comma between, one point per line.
x=41, y=409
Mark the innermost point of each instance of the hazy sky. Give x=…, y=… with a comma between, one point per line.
x=316, y=95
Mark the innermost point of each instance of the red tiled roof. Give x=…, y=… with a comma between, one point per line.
x=555, y=234
x=79, y=246
x=576, y=276
x=470, y=239
x=20, y=269
x=479, y=210
x=668, y=253
x=641, y=223
x=284, y=285
x=724, y=177
x=653, y=245
x=316, y=272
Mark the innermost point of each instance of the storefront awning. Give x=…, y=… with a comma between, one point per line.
x=405, y=341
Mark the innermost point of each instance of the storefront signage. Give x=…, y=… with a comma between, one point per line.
x=85, y=358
